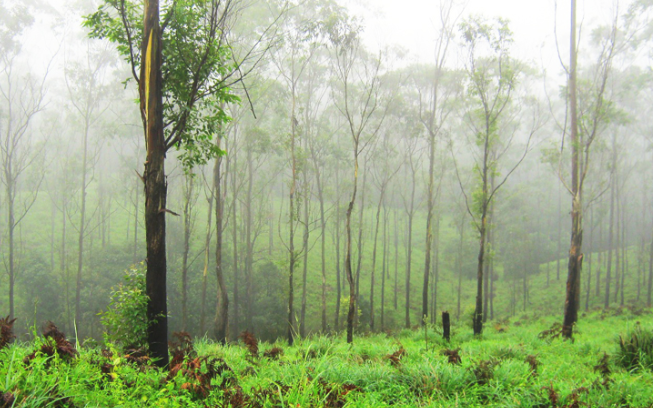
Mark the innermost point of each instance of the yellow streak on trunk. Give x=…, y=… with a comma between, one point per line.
x=148, y=69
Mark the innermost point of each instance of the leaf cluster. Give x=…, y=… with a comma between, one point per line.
x=198, y=68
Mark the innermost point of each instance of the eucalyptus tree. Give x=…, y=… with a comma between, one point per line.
x=190, y=194
x=434, y=108
x=585, y=124
x=412, y=159
x=383, y=171
x=22, y=98
x=302, y=34
x=357, y=96
x=183, y=71
x=492, y=79
x=89, y=92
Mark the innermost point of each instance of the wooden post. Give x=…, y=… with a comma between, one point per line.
x=446, y=326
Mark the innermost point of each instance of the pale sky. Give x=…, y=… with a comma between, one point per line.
x=413, y=24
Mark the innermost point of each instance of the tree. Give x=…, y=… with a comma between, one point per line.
x=583, y=132
x=87, y=88
x=194, y=71
x=22, y=98
x=491, y=83
x=434, y=111
x=356, y=95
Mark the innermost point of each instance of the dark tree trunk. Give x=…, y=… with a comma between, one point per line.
x=348, y=269
x=478, y=311
x=446, y=326
x=572, y=300
x=150, y=91
x=486, y=273
x=361, y=221
x=429, y=228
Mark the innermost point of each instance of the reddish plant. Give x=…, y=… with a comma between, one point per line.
x=6, y=331
x=453, y=356
x=250, y=342
x=55, y=343
x=395, y=358
x=274, y=353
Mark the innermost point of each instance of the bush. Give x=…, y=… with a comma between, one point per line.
x=636, y=349
x=125, y=320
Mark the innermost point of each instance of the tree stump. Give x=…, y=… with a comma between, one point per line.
x=446, y=326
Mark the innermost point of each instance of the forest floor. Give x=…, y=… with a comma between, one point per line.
x=522, y=362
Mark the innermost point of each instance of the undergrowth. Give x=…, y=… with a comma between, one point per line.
x=508, y=367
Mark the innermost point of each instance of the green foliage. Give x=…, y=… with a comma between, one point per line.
x=197, y=67
x=636, y=349
x=125, y=319
x=509, y=368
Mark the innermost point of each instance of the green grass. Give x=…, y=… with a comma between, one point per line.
x=325, y=371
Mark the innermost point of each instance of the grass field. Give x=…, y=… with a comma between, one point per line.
x=515, y=363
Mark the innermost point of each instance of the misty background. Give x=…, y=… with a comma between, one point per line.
x=72, y=149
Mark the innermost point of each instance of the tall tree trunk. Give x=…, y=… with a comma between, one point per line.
x=384, y=266
x=610, y=240
x=589, y=262
x=207, y=251
x=337, y=239
x=232, y=164
x=249, y=245
x=11, y=226
x=617, y=256
x=396, y=244
x=486, y=273
x=291, y=225
x=572, y=300
x=435, y=262
x=599, y=263
x=320, y=196
x=82, y=230
x=478, y=311
x=221, y=322
x=459, y=266
x=188, y=193
x=429, y=228
x=361, y=221
x=348, y=269
x=624, y=259
x=150, y=91
x=373, y=270
x=409, y=247
x=305, y=237
x=558, y=253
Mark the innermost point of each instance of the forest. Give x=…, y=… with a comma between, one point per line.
x=253, y=203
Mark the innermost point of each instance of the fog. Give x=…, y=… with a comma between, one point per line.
x=432, y=139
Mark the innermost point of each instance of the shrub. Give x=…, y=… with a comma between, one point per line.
x=125, y=320
x=636, y=349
